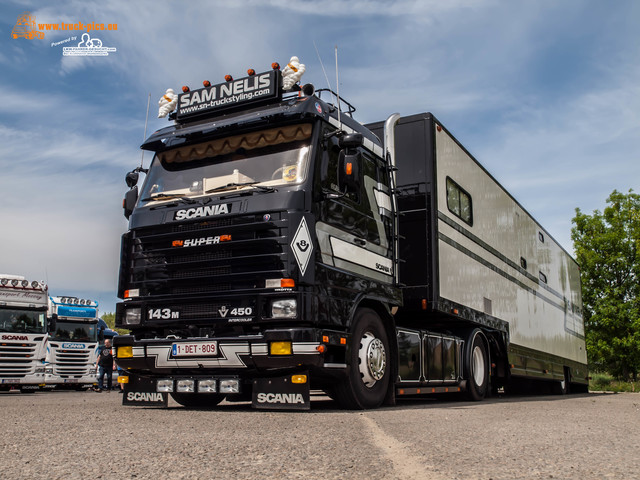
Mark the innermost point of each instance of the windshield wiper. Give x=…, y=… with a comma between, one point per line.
x=163, y=196
x=222, y=188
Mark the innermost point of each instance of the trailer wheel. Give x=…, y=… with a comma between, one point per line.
x=368, y=372
x=477, y=361
x=197, y=400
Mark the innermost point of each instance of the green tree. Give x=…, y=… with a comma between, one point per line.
x=110, y=320
x=607, y=247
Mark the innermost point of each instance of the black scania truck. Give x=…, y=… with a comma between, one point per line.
x=278, y=246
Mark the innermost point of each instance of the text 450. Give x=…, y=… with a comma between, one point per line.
x=163, y=313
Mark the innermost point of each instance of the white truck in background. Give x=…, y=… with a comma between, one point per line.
x=23, y=333
x=73, y=343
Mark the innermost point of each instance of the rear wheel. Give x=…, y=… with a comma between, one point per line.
x=197, y=400
x=369, y=369
x=477, y=361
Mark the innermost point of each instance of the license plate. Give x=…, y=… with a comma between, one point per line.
x=70, y=380
x=10, y=380
x=195, y=349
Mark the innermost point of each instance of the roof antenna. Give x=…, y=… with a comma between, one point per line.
x=338, y=88
x=323, y=70
x=146, y=121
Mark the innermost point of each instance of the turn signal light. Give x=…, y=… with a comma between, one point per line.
x=123, y=379
x=280, y=348
x=321, y=348
x=349, y=168
x=124, y=352
x=298, y=379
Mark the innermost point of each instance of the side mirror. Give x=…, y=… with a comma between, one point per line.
x=101, y=334
x=131, y=179
x=129, y=202
x=52, y=322
x=351, y=140
x=349, y=162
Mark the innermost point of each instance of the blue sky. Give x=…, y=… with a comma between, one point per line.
x=545, y=94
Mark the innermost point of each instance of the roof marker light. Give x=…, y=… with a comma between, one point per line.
x=251, y=72
x=185, y=89
x=228, y=78
x=206, y=83
x=25, y=283
x=34, y=284
x=275, y=66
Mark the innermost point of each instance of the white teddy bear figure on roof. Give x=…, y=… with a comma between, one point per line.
x=167, y=103
x=292, y=73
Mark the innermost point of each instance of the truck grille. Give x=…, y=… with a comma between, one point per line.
x=17, y=359
x=205, y=256
x=72, y=363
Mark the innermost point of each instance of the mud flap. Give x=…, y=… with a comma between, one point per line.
x=281, y=393
x=141, y=392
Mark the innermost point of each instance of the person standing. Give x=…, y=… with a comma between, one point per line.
x=105, y=366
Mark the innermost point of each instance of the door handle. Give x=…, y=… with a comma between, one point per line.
x=359, y=241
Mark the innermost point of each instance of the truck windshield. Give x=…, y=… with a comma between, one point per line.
x=22, y=321
x=75, y=331
x=259, y=160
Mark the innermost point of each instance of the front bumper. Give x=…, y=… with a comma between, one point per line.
x=245, y=356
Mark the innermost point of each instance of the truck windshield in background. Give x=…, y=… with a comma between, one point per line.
x=22, y=321
x=262, y=159
x=77, y=332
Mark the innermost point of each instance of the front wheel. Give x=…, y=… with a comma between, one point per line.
x=477, y=363
x=369, y=367
x=197, y=400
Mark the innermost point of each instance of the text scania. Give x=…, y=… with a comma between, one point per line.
x=225, y=90
x=15, y=337
x=144, y=397
x=201, y=212
x=280, y=398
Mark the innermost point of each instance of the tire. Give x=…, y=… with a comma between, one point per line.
x=197, y=400
x=27, y=390
x=477, y=366
x=369, y=370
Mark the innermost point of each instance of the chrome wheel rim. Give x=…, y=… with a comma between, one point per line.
x=372, y=359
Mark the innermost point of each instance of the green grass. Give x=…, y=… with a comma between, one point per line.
x=602, y=382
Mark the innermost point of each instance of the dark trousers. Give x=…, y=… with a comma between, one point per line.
x=101, y=373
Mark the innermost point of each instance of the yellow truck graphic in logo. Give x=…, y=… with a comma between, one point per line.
x=26, y=27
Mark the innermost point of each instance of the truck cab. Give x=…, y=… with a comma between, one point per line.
x=73, y=343
x=258, y=235
x=23, y=333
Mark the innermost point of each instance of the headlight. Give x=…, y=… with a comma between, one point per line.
x=285, y=308
x=165, y=385
x=231, y=385
x=186, y=385
x=132, y=316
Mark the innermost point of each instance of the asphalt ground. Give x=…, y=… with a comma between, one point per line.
x=78, y=435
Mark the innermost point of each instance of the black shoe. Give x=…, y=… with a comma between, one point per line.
x=98, y=390
x=120, y=391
